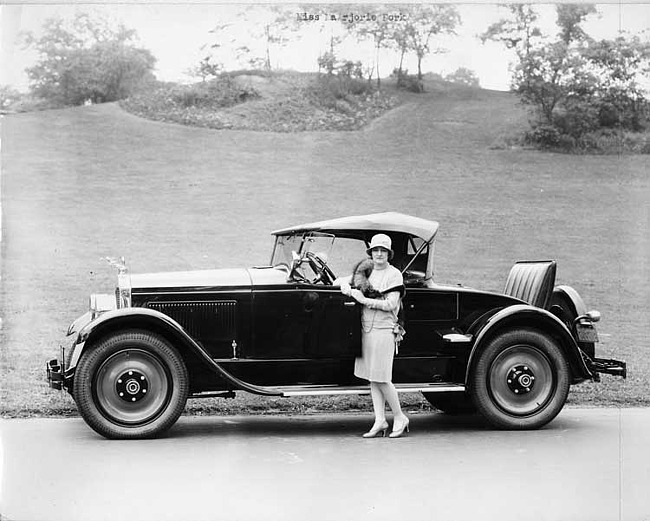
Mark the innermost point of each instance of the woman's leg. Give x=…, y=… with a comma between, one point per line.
x=388, y=391
x=400, y=421
x=379, y=406
x=378, y=402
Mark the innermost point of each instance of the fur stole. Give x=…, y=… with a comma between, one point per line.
x=360, y=275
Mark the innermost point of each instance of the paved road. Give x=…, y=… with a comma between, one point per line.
x=589, y=464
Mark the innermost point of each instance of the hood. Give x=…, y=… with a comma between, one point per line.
x=237, y=277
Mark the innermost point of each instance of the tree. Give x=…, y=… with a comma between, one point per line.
x=378, y=27
x=575, y=85
x=400, y=41
x=278, y=21
x=555, y=73
x=87, y=59
x=423, y=23
x=8, y=96
x=620, y=65
x=269, y=25
x=206, y=68
x=519, y=32
x=211, y=65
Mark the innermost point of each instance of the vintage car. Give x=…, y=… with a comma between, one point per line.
x=285, y=329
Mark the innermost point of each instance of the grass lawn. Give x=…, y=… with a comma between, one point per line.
x=84, y=183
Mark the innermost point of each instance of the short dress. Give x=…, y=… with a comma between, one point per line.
x=377, y=323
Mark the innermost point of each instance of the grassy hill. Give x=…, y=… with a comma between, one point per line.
x=80, y=184
x=282, y=101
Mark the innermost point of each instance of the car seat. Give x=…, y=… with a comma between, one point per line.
x=532, y=282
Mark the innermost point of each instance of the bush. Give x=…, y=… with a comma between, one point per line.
x=544, y=136
x=328, y=89
x=463, y=76
x=409, y=82
x=220, y=92
x=179, y=101
x=602, y=141
x=577, y=120
x=30, y=103
x=624, y=113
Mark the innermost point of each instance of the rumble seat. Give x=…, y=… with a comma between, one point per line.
x=532, y=282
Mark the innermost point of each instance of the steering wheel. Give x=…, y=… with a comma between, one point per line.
x=323, y=272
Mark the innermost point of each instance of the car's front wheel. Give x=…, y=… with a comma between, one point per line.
x=521, y=380
x=132, y=384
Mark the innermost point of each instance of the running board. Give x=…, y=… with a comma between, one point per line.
x=319, y=390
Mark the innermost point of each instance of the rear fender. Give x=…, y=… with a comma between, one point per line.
x=523, y=315
x=157, y=322
x=572, y=297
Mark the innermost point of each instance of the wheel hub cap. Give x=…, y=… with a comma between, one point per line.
x=521, y=379
x=132, y=386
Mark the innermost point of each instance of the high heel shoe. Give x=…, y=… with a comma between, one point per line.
x=399, y=431
x=376, y=429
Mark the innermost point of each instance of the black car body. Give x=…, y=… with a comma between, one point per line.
x=286, y=329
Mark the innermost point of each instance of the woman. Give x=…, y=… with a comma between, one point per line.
x=378, y=321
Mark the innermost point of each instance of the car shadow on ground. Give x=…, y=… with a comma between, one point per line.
x=326, y=425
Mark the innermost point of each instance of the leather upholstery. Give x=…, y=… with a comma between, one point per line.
x=532, y=282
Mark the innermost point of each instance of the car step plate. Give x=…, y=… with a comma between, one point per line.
x=316, y=390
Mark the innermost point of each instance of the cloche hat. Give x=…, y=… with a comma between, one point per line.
x=381, y=240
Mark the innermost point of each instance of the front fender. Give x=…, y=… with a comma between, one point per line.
x=151, y=319
x=524, y=315
x=120, y=318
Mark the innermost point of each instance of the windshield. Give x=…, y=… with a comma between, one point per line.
x=287, y=247
x=340, y=254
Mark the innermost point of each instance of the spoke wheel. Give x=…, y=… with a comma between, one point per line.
x=521, y=380
x=131, y=385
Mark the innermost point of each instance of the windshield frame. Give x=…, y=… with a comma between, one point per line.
x=296, y=245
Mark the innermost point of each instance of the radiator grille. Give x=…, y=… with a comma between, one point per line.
x=203, y=320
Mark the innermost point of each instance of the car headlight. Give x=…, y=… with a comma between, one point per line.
x=100, y=303
x=123, y=292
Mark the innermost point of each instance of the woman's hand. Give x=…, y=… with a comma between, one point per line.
x=357, y=295
x=346, y=289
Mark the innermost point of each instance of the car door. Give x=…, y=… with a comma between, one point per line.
x=302, y=334
x=304, y=321
x=423, y=355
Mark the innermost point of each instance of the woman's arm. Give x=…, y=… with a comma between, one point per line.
x=389, y=303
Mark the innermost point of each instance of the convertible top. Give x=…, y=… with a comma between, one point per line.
x=376, y=222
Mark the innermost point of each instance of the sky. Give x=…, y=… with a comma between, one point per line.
x=177, y=35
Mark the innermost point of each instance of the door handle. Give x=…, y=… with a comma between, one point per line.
x=350, y=304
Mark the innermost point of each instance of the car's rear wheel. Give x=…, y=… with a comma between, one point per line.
x=130, y=385
x=521, y=380
x=451, y=403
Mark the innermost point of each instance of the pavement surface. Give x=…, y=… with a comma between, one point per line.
x=588, y=464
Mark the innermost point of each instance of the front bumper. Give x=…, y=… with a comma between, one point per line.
x=58, y=375
x=55, y=378
x=606, y=366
